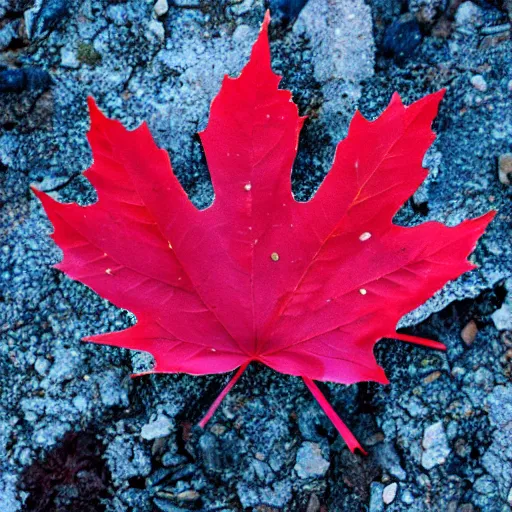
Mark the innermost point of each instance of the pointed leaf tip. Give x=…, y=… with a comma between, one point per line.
x=95, y=112
x=395, y=99
x=42, y=196
x=261, y=47
x=434, y=99
x=91, y=104
x=437, y=96
x=266, y=20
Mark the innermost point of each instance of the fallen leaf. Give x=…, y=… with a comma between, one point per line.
x=306, y=288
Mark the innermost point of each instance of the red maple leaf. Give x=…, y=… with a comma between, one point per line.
x=306, y=288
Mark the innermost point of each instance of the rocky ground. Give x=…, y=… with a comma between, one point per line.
x=77, y=434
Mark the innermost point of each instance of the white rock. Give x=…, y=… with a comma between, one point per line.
x=161, y=7
x=468, y=17
x=479, y=83
x=68, y=58
x=502, y=317
x=161, y=427
x=435, y=445
x=389, y=493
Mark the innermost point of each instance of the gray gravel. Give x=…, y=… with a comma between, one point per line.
x=76, y=433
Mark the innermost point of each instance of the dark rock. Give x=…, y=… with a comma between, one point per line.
x=45, y=16
x=12, y=80
x=209, y=446
x=184, y=472
x=19, y=80
x=158, y=477
x=167, y=506
x=37, y=79
x=286, y=10
x=402, y=38
x=173, y=459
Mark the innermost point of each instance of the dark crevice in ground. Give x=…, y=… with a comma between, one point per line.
x=73, y=476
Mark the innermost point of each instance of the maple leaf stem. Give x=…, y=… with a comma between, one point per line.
x=344, y=431
x=419, y=341
x=222, y=395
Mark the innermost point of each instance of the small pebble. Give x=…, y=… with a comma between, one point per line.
x=189, y=495
x=389, y=493
x=432, y=377
x=313, y=504
x=161, y=7
x=68, y=58
x=469, y=332
x=505, y=168
x=479, y=83
x=41, y=366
